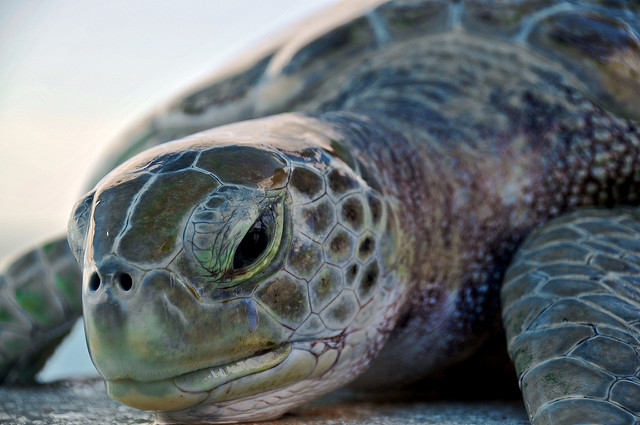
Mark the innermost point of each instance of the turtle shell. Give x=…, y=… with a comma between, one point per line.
x=596, y=42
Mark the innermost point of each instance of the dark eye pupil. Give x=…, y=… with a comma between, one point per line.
x=252, y=246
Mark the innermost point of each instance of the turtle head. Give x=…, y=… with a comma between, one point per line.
x=235, y=268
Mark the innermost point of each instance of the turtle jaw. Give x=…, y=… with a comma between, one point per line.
x=190, y=389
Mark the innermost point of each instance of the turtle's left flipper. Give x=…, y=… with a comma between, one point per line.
x=40, y=299
x=571, y=309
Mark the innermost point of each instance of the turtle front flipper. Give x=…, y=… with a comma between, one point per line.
x=571, y=309
x=40, y=299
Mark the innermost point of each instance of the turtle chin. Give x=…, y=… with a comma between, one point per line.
x=265, y=385
x=270, y=368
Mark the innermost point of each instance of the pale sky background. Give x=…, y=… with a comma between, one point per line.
x=74, y=74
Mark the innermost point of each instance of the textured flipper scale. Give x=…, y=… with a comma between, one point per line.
x=40, y=299
x=571, y=308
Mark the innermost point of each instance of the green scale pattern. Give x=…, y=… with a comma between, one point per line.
x=39, y=303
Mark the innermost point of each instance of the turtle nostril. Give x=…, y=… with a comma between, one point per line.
x=94, y=282
x=125, y=281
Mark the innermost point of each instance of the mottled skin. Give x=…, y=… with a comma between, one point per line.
x=481, y=166
x=40, y=302
x=571, y=313
x=325, y=291
x=237, y=273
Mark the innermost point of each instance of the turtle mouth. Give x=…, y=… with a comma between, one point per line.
x=192, y=388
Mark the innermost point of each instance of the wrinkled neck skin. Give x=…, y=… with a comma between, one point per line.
x=461, y=211
x=473, y=147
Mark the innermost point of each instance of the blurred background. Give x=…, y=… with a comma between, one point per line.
x=75, y=74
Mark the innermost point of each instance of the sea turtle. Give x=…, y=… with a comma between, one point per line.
x=360, y=225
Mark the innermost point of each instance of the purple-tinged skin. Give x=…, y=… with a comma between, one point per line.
x=237, y=273
x=460, y=201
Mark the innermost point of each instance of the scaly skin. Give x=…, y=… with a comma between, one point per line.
x=571, y=308
x=461, y=145
x=39, y=303
x=474, y=162
x=174, y=325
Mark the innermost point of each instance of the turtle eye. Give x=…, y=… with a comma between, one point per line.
x=254, y=243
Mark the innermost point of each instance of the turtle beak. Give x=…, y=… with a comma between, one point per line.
x=145, y=329
x=134, y=321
